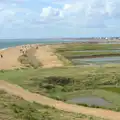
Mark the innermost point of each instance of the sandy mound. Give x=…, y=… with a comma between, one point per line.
x=44, y=54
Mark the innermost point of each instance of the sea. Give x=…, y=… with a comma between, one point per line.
x=11, y=43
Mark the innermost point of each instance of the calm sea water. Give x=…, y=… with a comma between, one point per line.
x=5, y=44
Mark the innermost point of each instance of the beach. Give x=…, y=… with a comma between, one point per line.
x=44, y=54
x=10, y=58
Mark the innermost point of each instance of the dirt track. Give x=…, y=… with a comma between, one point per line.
x=16, y=90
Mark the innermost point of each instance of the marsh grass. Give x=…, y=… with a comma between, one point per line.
x=71, y=51
x=79, y=46
x=51, y=82
x=67, y=50
x=69, y=54
x=65, y=61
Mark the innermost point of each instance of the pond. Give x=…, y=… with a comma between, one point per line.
x=90, y=100
x=97, y=60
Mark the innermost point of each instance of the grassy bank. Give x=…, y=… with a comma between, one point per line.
x=15, y=108
x=60, y=83
x=65, y=61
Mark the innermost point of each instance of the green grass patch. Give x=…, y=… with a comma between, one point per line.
x=79, y=46
x=69, y=54
x=112, y=89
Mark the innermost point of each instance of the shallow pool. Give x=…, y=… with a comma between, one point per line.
x=90, y=100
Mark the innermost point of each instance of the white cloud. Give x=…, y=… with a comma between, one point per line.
x=51, y=12
x=85, y=13
x=75, y=13
x=67, y=6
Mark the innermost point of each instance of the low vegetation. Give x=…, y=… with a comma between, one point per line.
x=15, y=108
x=112, y=89
x=83, y=47
x=65, y=83
x=88, y=54
x=65, y=61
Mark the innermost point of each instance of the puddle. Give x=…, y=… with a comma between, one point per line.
x=90, y=100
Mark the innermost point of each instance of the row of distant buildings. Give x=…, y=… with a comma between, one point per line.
x=110, y=40
x=99, y=40
x=91, y=38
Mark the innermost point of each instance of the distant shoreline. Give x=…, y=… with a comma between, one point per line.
x=6, y=44
x=9, y=44
x=20, y=43
x=2, y=49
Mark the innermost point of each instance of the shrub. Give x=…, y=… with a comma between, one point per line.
x=58, y=80
x=48, y=86
x=2, y=92
x=2, y=71
x=24, y=112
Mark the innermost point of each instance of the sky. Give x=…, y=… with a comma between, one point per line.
x=59, y=18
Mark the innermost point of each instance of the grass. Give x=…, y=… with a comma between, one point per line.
x=82, y=80
x=16, y=76
x=28, y=59
x=15, y=108
x=112, y=89
x=69, y=54
x=79, y=46
x=65, y=61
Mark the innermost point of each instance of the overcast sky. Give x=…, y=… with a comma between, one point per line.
x=59, y=18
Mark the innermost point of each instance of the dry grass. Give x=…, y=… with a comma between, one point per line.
x=29, y=59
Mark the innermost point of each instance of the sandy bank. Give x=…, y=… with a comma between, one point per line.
x=44, y=54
